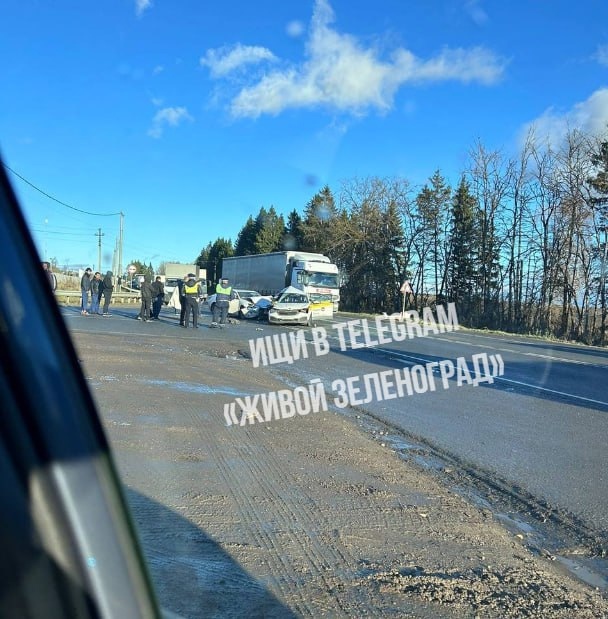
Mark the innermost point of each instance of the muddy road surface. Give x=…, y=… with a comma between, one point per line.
x=330, y=514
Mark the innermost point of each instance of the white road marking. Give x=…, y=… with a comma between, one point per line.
x=525, y=354
x=510, y=380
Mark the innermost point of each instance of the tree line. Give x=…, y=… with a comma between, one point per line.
x=518, y=244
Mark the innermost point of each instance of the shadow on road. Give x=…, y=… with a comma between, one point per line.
x=192, y=574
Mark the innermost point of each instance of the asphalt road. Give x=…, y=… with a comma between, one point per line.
x=542, y=426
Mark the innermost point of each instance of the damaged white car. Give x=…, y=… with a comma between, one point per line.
x=243, y=301
x=295, y=307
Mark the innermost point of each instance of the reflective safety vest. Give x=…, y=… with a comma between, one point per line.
x=223, y=294
x=191, y=289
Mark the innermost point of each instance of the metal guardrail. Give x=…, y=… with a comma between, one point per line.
x=70, y=297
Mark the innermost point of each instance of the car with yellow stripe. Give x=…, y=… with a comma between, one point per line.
x=294, y=306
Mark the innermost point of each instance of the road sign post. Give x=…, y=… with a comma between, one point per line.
x=131, y=270
x=405, y=289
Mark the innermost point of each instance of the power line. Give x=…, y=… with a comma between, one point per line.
x=86, y=229
x=59, y=232
x=44, y=193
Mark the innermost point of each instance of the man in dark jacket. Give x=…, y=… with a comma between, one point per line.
x=95, y=294
x=182, y=300
x=146, y=299
x=107, y=287
x=85, y=289
x=46, y=267
x=158, y=296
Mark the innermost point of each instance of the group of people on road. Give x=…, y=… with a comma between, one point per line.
x=94, y=287
x=187, y=296
x=152, y=297
x=189, y=291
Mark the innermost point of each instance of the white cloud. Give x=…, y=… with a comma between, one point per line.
x=601, y=54
x=476, y=11
x=158, y=69
x=226, y=60
x=341, y=73
x=465, y=65
x=295, y=29
x=141, y=6
x=590, y=116
x=168, y=116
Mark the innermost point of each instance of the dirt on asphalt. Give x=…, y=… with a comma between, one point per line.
x=303, y=517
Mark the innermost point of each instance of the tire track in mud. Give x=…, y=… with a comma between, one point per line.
x=240, y=484
x=327, y=556
x=283, y=574
x=295, y=519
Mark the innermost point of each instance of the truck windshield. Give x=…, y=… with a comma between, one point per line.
x=328, y=280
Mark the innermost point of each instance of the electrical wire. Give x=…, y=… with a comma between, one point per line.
x=44, y=193
x=60, y=233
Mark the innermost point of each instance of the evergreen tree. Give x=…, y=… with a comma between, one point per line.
x=294, y=236
x=600, y=161
x=245, y=241
x=221, y=248
x=433, y=210
x=391, y=258
x=270, y=231
x=599, y=182
x=463, y=278
x=318, y=226
x=203, y=258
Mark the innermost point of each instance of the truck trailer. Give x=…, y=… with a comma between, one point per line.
x=175, y=271
x=314, y=274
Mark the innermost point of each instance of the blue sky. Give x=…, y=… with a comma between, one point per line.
x=188, y=116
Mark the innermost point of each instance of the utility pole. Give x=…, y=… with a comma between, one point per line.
x=115, y=258
x=99, y=234
x=120, y=235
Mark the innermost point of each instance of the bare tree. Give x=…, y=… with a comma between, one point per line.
x=489, y=175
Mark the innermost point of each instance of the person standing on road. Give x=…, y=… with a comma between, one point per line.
x=203, y=296
x=85, y=290
x=107, y=287
x=158, y=296
x=46, y=267
x=99, y=294
x=224, y=294
x=95, y=283
x=182, y=300
x=192, y=291
x=145, y=289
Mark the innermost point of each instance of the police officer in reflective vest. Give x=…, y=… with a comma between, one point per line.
x=192, y=290
x=224, y=294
